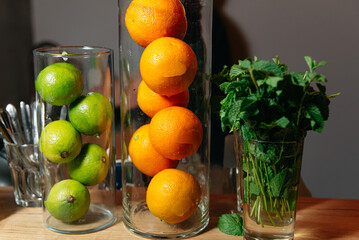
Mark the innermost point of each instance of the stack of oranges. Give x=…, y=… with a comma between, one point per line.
x=168, y=67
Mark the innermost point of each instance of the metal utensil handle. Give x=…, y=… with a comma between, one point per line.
x=5, y=134
x=25, y=122
x=11, y=109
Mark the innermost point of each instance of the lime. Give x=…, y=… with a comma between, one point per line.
x=59, y=83
x=91, y=114
x=68, y=200
x=90, y=167
x=60, y=142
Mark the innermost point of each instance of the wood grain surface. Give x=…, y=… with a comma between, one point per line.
x=316, y=219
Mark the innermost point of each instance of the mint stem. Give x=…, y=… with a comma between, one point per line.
x=254, y=82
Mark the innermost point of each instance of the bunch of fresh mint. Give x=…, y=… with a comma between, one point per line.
x=264, y=101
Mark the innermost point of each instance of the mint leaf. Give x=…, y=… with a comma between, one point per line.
x=245, y=64
x=234, y=111
x=268, y=67
x=312, y=77
x=322, y=63
x=313, y=64
x=298, y=79
x=254, y=189
x=277, y=183
x=317, y=121
x=231, y=224
x=273, y=81
x=283, y=122
x=309, y=62
x=235, y=71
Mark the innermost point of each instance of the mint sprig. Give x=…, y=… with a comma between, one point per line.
x=231, y=224
x=264, y=101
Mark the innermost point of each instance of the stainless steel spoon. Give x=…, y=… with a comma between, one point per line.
x=18, y=133
x=25, y=122
x=34, y=121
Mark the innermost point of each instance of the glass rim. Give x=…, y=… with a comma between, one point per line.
x=300, y=140
x=87, y=51
x=20, y=145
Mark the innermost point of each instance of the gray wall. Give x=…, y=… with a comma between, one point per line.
x=324, y=29
x=15, y=40
x=76, y=22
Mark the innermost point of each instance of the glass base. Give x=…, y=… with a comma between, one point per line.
x=275, y=229
x=143, y=223
x=251, y=236
x=29, y=203
x=96, y=218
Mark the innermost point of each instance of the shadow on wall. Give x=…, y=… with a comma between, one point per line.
x=16, y=40
x=228, y=33
x=229, y=46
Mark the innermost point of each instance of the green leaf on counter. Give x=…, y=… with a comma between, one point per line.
x=231, y=224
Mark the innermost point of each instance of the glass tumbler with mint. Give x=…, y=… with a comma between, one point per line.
x=271, y=109
x=75, y=132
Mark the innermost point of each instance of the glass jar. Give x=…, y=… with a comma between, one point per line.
x=136, y=182
x=83, y=117
x=25, y=173
x=270, y=179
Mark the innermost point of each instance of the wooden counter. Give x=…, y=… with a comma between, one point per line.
x=316, y=219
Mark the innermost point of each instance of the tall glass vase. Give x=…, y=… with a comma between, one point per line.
x=269, y=181
x=141, y=184
x=75, y=132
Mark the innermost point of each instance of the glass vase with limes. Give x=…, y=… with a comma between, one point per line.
x=75, y=130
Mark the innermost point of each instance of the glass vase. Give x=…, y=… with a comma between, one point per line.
x=270, y=180
x=87, y=110
x=136, y=182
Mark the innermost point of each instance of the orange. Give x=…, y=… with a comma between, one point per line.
x=144, y=156
x=147, y=20
x=168, y=66
x=173, y=195
x=175, y=132
x=151, y=102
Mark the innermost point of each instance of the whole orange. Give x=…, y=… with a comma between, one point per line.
x=151, y=102
x=173, y=195
x=175, y=132
x=144, y=156
x=147, y=20
x=168, y=66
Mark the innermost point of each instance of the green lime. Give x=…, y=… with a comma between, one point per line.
x=91, y=114
x=60, y=142
x=90, y=167
x=59, y=84
x=68, y=200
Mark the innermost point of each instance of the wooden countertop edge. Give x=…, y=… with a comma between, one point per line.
x=317, y=218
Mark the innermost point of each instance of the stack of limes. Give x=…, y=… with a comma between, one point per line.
x=168, y=67
x=62, y=84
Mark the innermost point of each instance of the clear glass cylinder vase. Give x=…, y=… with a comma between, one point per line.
x=152, y=121
x=75, y=131
x=269, y=181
